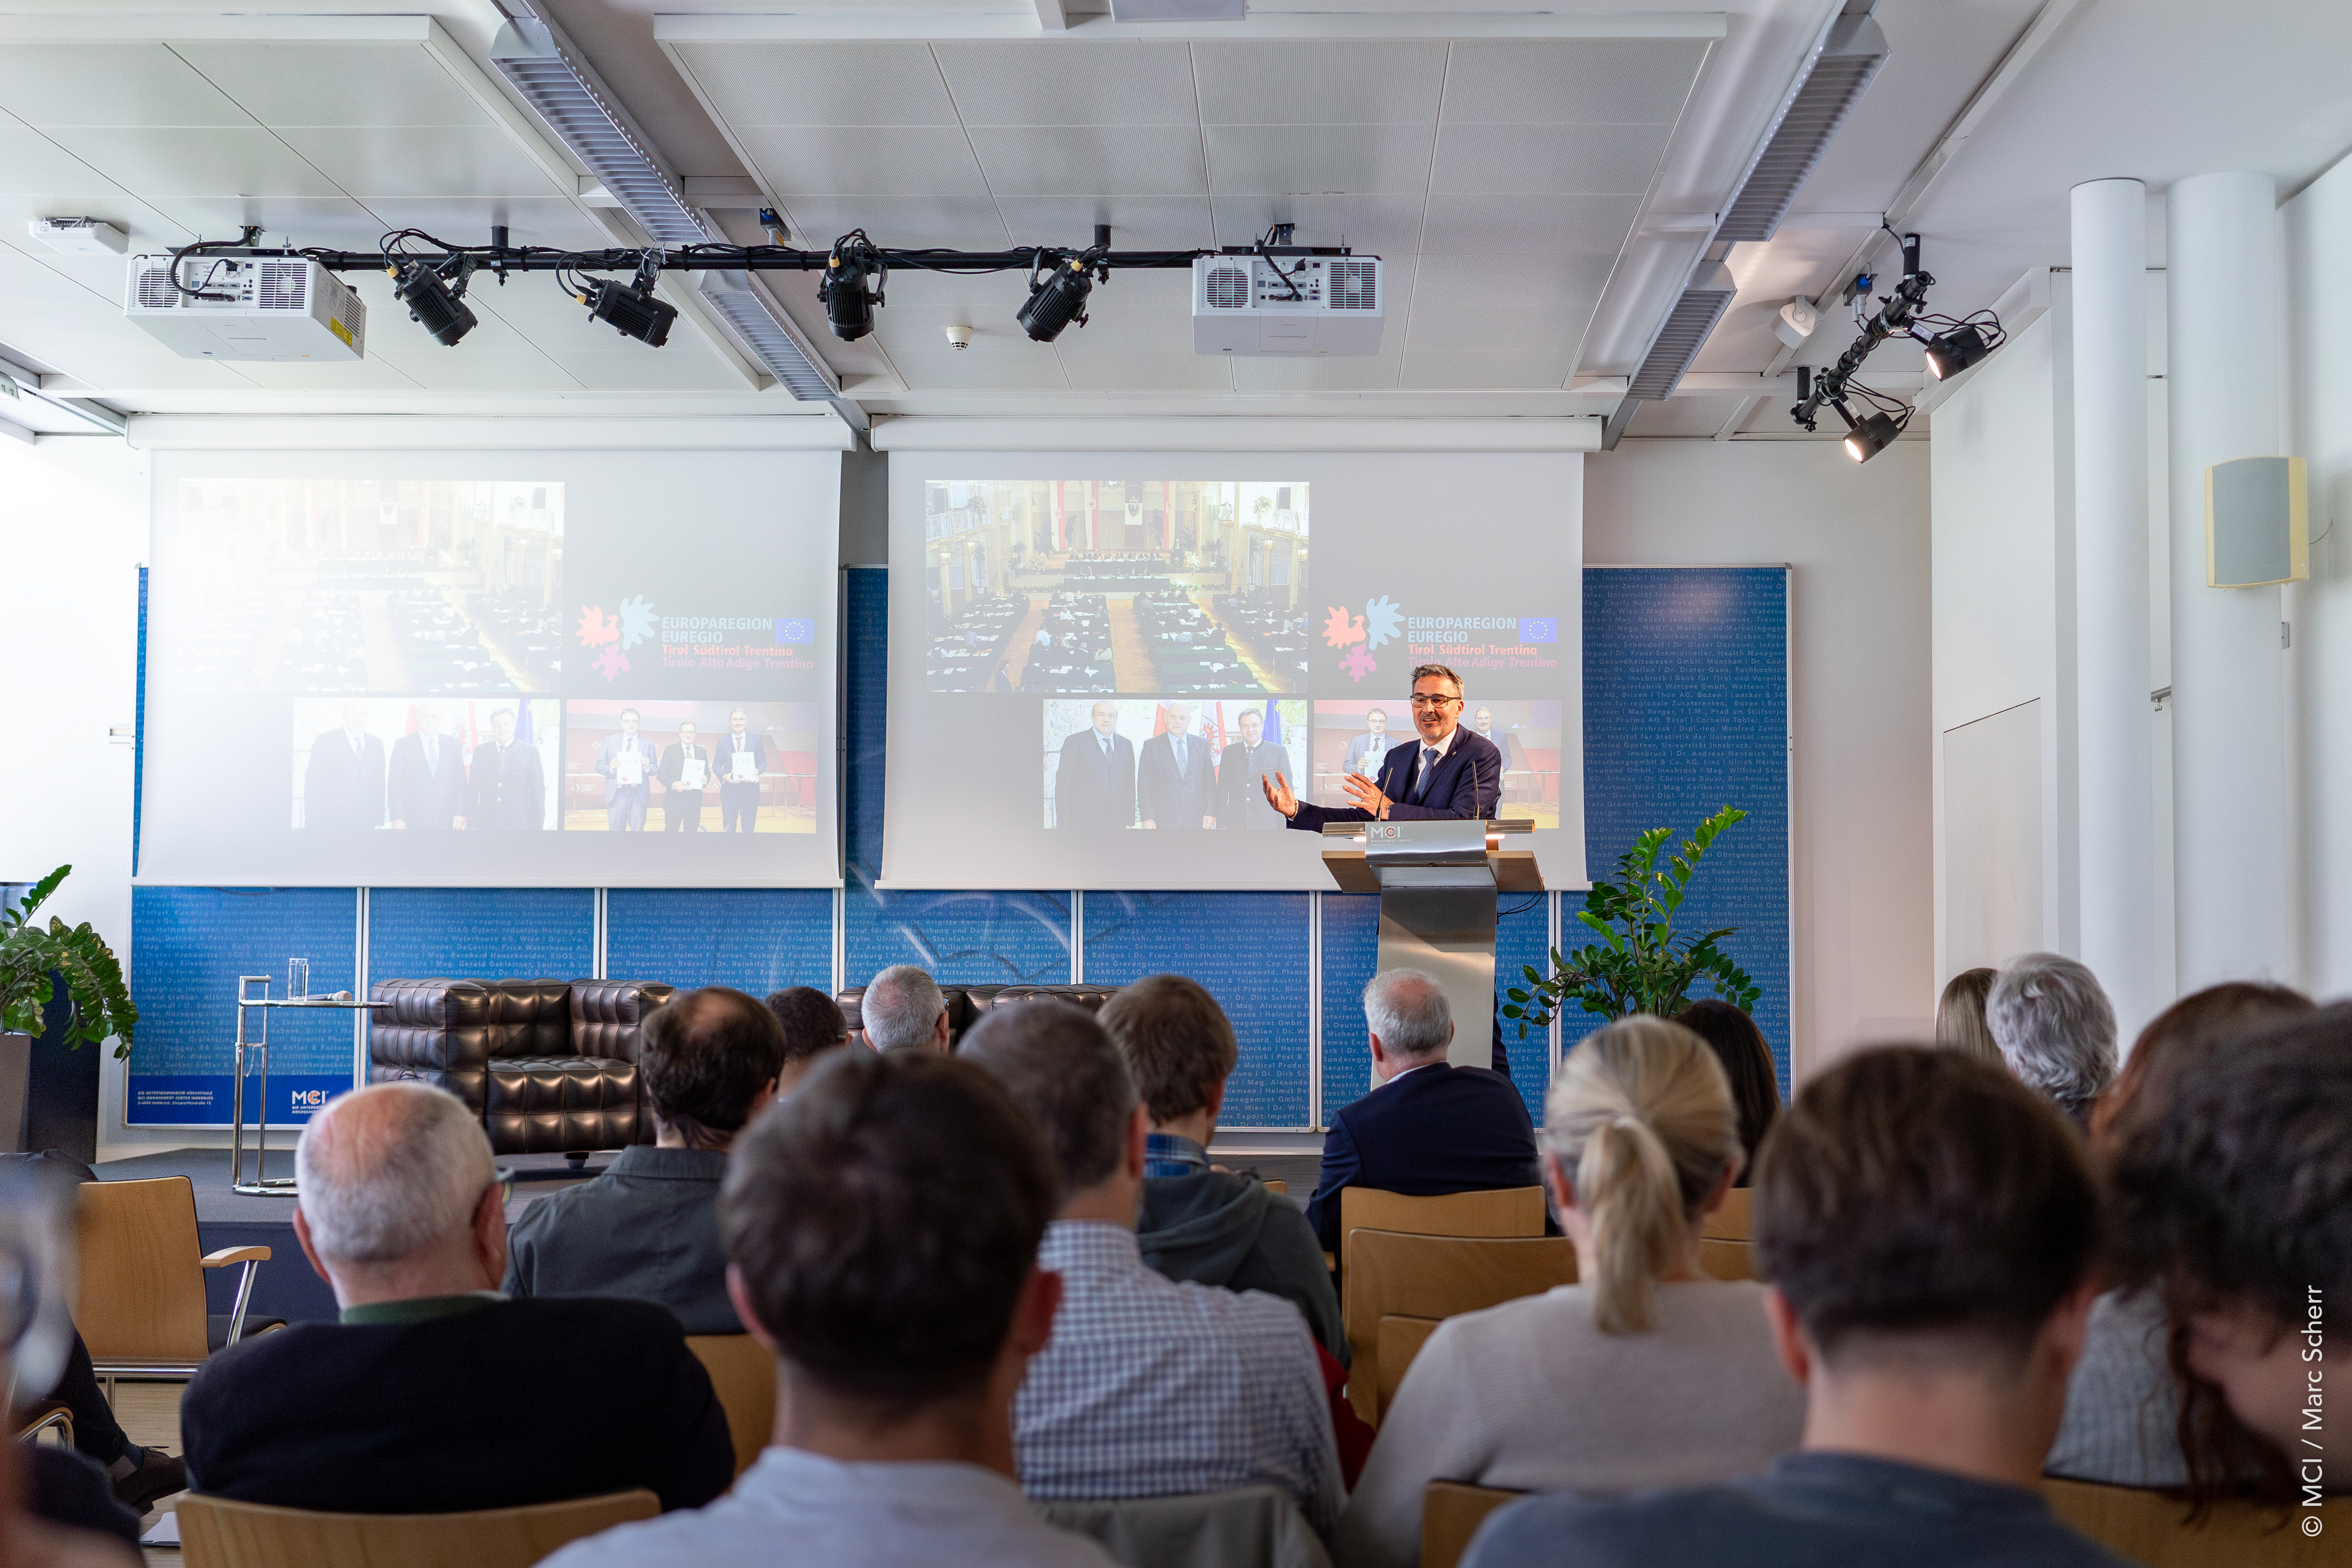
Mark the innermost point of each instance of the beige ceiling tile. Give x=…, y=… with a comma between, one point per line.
x=811, y=82
x=334, y=83
x=1069, y=83
x=1580, y=81
x=1325, y=82
x=1530, y=160
x=1074, y=160
x=1322, y=160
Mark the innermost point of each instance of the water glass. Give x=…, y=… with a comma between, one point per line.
x=297, y=979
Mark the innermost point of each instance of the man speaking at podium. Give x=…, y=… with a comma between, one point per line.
x=1444, y=771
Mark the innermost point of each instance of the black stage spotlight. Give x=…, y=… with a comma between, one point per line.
x=848, y=304
x=631, y=312
x=1948, y=353
x=1053, y=303
x=1872, y=436
x=431, y=302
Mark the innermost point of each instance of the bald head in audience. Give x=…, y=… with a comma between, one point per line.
x=399, y=1199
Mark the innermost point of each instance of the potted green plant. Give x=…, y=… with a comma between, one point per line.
x=34, y=958
x=1641, y=964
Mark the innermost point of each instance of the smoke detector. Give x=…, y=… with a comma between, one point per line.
x=959, y=337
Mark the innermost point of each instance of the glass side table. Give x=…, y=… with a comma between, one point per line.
x=255, y=1043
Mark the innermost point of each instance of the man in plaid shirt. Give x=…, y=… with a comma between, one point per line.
x=1148, y=1388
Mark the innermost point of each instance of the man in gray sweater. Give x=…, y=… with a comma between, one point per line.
x=1928, y=1226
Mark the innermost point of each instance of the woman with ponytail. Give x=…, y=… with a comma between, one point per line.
x=1645, y=1372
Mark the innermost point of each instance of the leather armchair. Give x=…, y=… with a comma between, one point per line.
x=968, y=1004
x=549, y=1066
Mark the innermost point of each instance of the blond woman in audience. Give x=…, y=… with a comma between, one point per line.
x=1961, y=1016
x=1645, y=1372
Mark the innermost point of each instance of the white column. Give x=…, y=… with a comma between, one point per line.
x=2233, y=865
x=2116, y=813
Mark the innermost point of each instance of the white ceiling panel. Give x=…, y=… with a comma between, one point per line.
x=1580, y=81
x=916, y=341
x=1145, y=309
x=335, y=221
x=1386, y=224
x=758, y=82
x=1158, y=372
x=467, y=220
x=415, y=162
x=1070, y=83
x=195, y=161
x=1509, y=299
x=1546, y=160
x=1320, y=374
x=678, y=366
x=1081, y=161
x=888, y=161
x=109, y=84
x=1691, y=418
x=31, y=165
x=1325, y=83
x=908, y=223
x=339, y=83
x=1136, y=223
x=1589, y=225
x=373, y=374
x=1537, y=369
x=981, y=297
x=1278, y=160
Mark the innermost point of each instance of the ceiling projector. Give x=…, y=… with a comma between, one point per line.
x=245, y=305
x=1287, y=302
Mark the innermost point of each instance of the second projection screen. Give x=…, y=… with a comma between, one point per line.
x=1096, y=658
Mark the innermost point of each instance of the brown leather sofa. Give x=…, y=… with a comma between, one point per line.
x=968, y=1004
x=550, y=1065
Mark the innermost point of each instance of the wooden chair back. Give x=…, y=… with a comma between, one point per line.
x=743, y=1373
x=1282, y=1187
x=140, y=1293
x=1501, y=1212
x=1451, y=1513
x=1727, y=1259
x=217, y=1533
x=1733, y=1221
x=1404, y=1286
x=2145, y=1527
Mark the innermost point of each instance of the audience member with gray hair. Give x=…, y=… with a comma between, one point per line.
x=1427, y=1127
x=433, y=1393
x=904, y=1011
x=1149, y=1387
x=2056, y=1029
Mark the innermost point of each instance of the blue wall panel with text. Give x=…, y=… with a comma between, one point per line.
x=1250, y=951
x=1686, y=710
x=481, y=933
x=188, y=945
x=754, y=939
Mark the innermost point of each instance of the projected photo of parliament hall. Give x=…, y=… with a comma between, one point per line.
x=1104, y=586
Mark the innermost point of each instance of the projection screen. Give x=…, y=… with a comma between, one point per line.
x=1095, y=657
x=484, y=669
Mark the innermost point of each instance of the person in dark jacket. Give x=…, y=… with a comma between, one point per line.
x=1430, y=1128
x=1198, y=1223
x=648, y=1227
x=435, y=1394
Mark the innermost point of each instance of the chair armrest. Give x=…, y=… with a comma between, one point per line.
x=228, y=1255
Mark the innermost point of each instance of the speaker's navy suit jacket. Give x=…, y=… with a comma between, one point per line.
x=1437, y=1129
x=1450, y=788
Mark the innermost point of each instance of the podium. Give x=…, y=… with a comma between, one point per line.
x=1437, y=879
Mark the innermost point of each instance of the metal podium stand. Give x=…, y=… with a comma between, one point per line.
x=264, y=1185
x=1437, y=879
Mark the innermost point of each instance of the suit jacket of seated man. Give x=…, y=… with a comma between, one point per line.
x=1164, y=798
x=490, y=1403
x=426, y=793
x=1428, y=1130
x=508, y=787
x=1092, y=788
x=647, y=1229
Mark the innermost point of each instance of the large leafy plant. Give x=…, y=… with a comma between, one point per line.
x=1641, y=964
x=30, y=954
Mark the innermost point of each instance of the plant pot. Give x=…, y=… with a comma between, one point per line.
x=15, y=1072
x=60, y=1096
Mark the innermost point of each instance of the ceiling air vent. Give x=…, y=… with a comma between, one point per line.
x=1678, y=343
x=1855, y=51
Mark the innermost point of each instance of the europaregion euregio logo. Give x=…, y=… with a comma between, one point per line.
x=1383, y=621
x=637, y=622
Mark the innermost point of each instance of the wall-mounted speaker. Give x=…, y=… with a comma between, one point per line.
x=2257, y=523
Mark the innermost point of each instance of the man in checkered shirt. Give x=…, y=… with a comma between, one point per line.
x=1149, y=1387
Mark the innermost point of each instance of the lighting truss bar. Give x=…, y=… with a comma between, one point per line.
x=707, y=257
x=1894, y=319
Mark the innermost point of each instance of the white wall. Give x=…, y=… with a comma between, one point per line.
x=1857, y=537
x=73, y=531
x=2320, y=339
